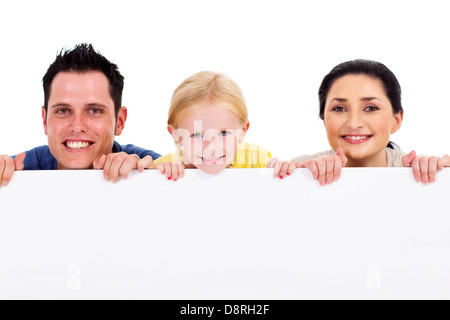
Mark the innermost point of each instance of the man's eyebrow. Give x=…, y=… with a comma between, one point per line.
x=56, y=105
x=98, y=105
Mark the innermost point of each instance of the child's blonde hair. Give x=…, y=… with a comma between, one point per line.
x=206, y=88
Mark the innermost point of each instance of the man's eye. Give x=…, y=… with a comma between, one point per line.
x=62, y=111
x=371, y=108
x=196, y=135
x=338, y=109
x=95, y=111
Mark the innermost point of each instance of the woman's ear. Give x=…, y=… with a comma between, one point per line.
x=398, y=119
x=244, y=131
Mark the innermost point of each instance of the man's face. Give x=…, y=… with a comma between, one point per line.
x=80, y=121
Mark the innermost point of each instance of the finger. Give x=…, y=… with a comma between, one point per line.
x=272, y=162
x=110, y=158
x=277, y=168
x=175, y=173
x=292, y=167
x=312, y=166
x=146, y=163
x=128, y=164
x=337, y=168
x=8, y=170
x=416, y=169
x=168, y=169
x=2, y=168
x=341, y=155
x=443, y=162
x=423, y=162
x=322, y=166
x=432, y=168
x=116, y=164
x=329, y=170
x=181, y=169
x=161, y=168
x=20, y=161
x=284, y=169
x=298, y=165
x=100, y=162
x=408, y=159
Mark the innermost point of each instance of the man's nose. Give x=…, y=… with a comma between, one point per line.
x=78, y=124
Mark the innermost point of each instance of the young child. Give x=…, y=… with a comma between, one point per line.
x=360, y=105
x=208, y=121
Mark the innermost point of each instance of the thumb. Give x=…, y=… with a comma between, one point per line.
x=407, y=160
x=146, y=163
x=99, y=163
x=341, y=154
x=19, y=161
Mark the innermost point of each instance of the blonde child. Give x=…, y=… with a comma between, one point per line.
x=208, y=121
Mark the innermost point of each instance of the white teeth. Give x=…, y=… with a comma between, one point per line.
x=77, y=145
x=356, y=137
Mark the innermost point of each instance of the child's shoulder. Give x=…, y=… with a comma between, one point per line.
x=171, y=157
x=251, y=156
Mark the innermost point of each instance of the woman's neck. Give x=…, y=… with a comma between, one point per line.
x=378, y=160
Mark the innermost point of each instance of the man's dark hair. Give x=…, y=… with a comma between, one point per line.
x=83, y=58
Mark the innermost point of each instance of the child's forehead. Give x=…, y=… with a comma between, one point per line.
x=212, y=118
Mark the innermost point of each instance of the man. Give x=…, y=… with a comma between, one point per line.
x=82, y=114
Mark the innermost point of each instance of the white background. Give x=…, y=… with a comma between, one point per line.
x=277, y=51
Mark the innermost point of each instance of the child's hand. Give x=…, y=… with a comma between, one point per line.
x=327, y=169
x=425, y=168
x=173, y=170
x=281, y=169
x=7, y=167
x=121, y=164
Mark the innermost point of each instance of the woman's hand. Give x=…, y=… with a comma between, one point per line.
x=425, y=168
x=327, y=169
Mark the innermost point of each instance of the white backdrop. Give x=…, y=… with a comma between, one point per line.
x=277, y=51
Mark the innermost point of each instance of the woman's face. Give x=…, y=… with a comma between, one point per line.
x=359, y=118
x=209, y=138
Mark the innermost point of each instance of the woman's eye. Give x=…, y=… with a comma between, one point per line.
x=196, y=135
x=371, y=108
x=338, y=109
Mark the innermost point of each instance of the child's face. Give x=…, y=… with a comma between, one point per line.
x=360, y=119
x=210, y=138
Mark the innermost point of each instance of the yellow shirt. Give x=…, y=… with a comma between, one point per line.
x=248, y=156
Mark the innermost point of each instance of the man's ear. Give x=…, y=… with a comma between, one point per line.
x=244, y=131
x=44, y=119
x=121, y=119
x=398, y=120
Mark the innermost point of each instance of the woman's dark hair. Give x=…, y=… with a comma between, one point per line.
x=373, y=69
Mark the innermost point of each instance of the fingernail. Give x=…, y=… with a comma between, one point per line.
x=169, y=178
x=106, y=178
x=288, y=174
x=281, y=177
x=5, y=183
x=175, y=179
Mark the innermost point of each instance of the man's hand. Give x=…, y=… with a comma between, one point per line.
x=7, y=167
x=119, y=164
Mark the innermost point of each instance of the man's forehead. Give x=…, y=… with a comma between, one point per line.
x=81, y=88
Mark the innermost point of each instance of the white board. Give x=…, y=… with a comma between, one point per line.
x=375, y=234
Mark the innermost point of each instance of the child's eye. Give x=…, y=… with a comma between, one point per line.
x=196, y=135
x=338, y=109
x=224, y=133
x=371, y=108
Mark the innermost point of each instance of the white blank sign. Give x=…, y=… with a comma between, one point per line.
x=375, y=234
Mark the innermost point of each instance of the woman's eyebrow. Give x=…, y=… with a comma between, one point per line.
x=369, y=99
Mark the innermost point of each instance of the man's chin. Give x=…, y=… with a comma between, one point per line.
x=75, y=165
